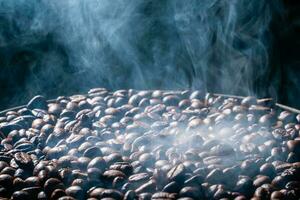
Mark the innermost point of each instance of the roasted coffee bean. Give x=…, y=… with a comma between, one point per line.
x=8, y=170
x=6, y=181
x=139, y=178
x=108, y=193
x=164, y=195
x=294, y=146
x=145, y=196
x=51, y=185
x=38, y=102
x=149, y=186
x=32, y=181
x=192, y=192
x=171, y=100
x=249, y=168
x=76, y=192
x=110, y=175
x=268, y=170
x=262, y=193
x=124, y=167
x=130, y=194
x=58, y=193
x=66, y=198
x=146, y=159
x=21, y=195
x=97, y=162
x=249, y=101
x=277, y=195
x=172, y=187
x=245, y=186
x=92, y=152
x=214, y=176
x=177, y=173
x=112, y=158
x=259, y=181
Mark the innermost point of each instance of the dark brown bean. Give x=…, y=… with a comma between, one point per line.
x=20, y=195
x=177, y=173
x=294, y=146
x=51, y=185
x=164, y=195
x=249, y=101
x=97, y=162
x=76, y=192
x=149, y=186
x=192, y=192
x=56, y=194
x=261, y=180
x=130, y=194
x=124, y=167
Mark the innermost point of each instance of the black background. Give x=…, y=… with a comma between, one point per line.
x=17, y=70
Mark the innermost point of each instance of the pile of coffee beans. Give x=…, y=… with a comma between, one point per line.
x=159, y=145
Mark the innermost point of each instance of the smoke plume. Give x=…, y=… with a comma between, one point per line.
x=61, y=47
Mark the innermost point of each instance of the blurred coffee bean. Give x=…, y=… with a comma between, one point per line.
x=294, y=146
x=191, y=192
x=38, y=102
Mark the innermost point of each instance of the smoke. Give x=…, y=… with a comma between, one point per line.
x=61, y=47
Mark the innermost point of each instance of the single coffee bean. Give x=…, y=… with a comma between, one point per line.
x=20, y=195
x=51, y=185
x=38, y=102
x=76, y=192
x=177, y=173
x=58, y=193
x=149, y=186
x=192, y=192
x=294, y=146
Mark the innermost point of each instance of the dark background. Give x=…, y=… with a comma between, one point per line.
x=25, y=70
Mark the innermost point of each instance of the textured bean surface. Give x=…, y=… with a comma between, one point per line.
x=130, y=144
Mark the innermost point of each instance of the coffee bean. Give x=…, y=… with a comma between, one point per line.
x=130, y=194
x=66, y=198
x=76, y=192
x=277, y=195
x=144, y=196
x=177, y=173
x=267, y=119
x=111, y=174
x=262, y=193
x=149, y=186
x=97, y=162
x=58, y=193
x=294, y=146
x=249, y=168
x=6, y=181
x=37, y=102
x=249, y=101
x=192, y=192
x=51, y=185
x=259, y=181
x=138, y=178
x=171, y=100
x=124, y=167
x=55, y=109
x=92, y=152
x=20, y=195
x=164, y=195
x=245, y=186
x=110, y=193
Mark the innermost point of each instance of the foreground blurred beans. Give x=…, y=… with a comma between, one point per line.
x=130, y=144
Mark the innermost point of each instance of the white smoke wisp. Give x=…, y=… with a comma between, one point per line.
x=219, y=45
